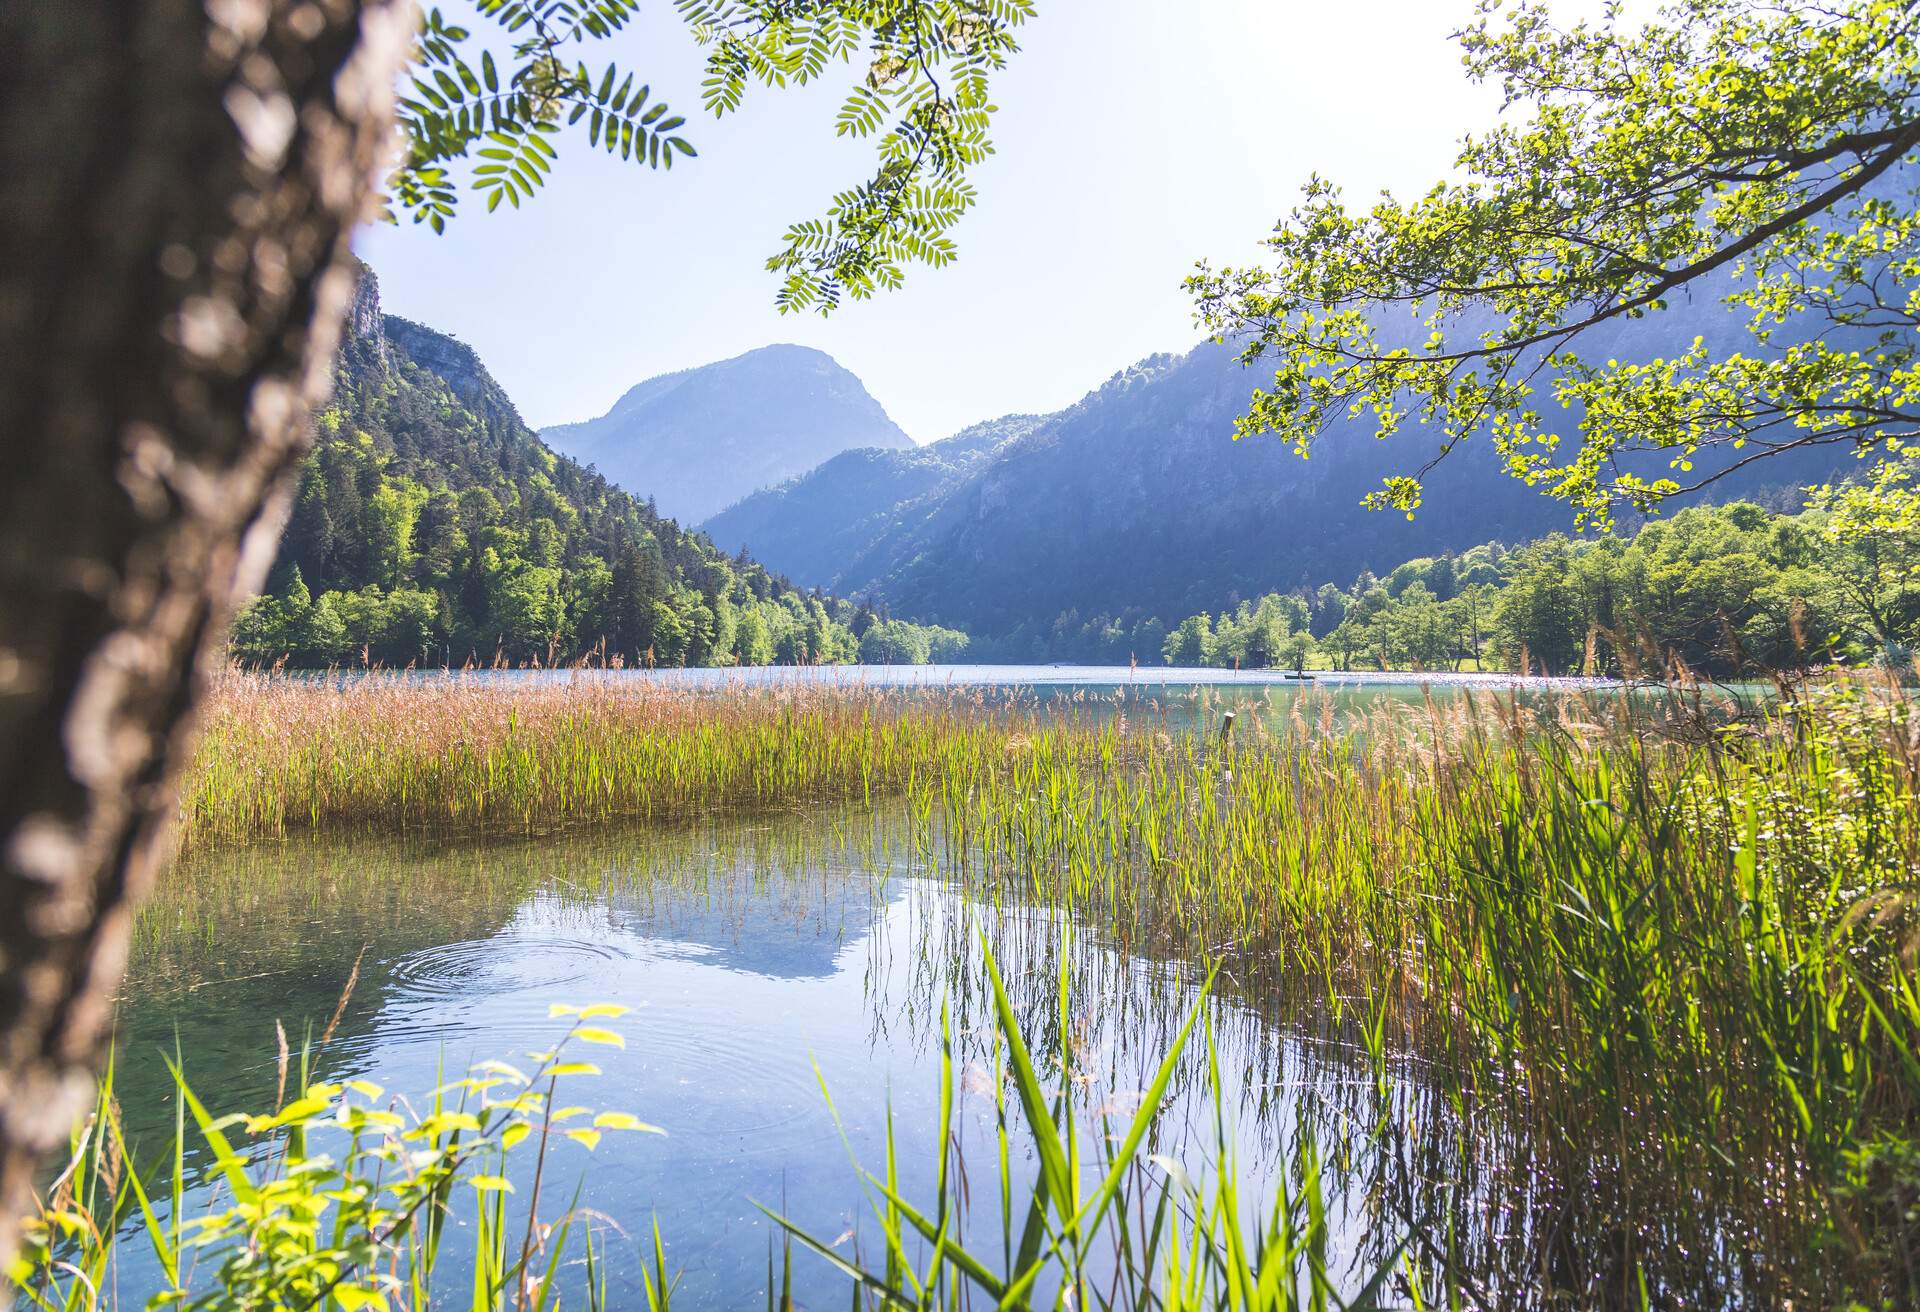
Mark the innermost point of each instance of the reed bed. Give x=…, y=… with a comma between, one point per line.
x=1683, y=966
x=388, y=751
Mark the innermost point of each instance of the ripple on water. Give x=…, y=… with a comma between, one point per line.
x=505, y=965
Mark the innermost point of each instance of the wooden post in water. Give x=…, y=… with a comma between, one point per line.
x=1226, y=746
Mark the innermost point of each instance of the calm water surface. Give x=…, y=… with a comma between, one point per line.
x=760, y=959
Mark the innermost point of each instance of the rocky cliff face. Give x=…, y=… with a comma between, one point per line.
x=364, y=319
x=456, y=363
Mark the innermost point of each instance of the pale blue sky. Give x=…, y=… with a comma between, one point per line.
x=1135, y=137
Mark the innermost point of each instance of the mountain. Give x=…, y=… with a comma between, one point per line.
x=697, y=441
x=430, y=524
x=1137, y=501
x=811, y=527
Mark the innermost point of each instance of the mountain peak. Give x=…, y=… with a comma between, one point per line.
x=700, y=439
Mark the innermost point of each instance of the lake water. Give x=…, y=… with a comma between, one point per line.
x=753, y=953
x=762, y=957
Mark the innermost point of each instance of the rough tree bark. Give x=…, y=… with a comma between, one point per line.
x=182, y=177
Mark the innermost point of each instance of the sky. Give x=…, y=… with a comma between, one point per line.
x=1135, y=137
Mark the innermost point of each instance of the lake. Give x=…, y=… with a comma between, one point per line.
x=750, y=952
x=765, y=957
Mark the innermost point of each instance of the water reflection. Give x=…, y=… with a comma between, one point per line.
x=765, y=957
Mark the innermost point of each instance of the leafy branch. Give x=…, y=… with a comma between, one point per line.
x=1760, y=153
x=454, y=109
x=923, y=98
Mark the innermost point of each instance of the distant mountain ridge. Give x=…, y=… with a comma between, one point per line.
x=430, y=526
x=815, y=527
x=1137, y=500
x=696, y=441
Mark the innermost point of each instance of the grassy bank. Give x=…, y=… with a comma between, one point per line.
x=1681, y=966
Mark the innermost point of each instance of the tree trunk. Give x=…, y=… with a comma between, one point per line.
x=182, y=178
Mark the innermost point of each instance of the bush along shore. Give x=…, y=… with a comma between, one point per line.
x=1657, y=956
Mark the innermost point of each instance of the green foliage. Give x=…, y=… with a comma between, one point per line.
x=339, y=1197
x=1760, y=152
x=927, y=68
x=453, y=110
x=1718, y=589
x=432, y=527
x=894, y=642
x=923, y=94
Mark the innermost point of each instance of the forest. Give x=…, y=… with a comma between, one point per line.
x=1715, y=589
x=431, y=527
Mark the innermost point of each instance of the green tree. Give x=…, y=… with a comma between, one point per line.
x=1748, y=148
x=410, y=631
x=889, y=642
x=753, y=639
x=1540, y=617
x=391, y=515
x=1190, y=643
x=1871, y=552
x=1418, y=629
x=1474, y=607
x=523, y=607
x=1297, y=650
x=1349, y=637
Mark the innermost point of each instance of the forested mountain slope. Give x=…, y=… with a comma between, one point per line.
x=812, y=527
x=697, y=441
x=431, y=525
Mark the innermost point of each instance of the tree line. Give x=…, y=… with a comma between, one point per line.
x=1718, y=589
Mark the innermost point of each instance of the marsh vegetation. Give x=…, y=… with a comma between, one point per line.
x=1480, y=998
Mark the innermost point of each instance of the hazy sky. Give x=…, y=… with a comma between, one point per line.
x=1135, y=137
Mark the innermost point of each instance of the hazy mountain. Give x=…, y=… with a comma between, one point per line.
x=699, y=440
x=811, y=528
x=1138, y=500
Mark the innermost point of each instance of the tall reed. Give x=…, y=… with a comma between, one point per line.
x=1665, y=960
x=394, y=752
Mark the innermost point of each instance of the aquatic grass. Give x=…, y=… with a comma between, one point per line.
x=1680, y=965
x=390, y=751
x=1205, y=1247
x=1652, y=957
x=338, y=1199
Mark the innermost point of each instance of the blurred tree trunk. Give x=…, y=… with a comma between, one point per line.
x=182, y=178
